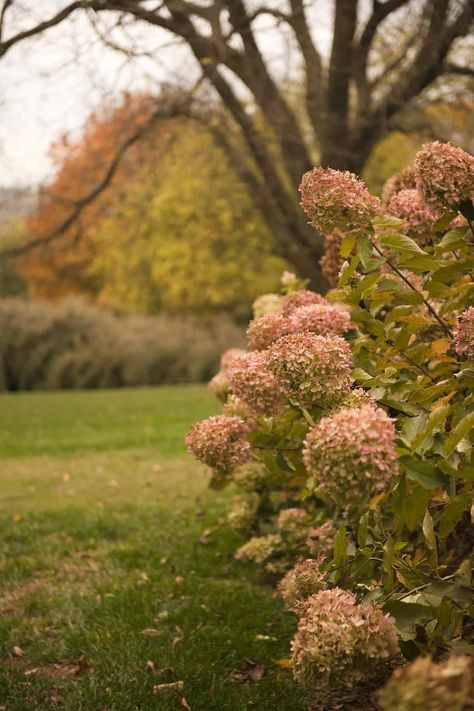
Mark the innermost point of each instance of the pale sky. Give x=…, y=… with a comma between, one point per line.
x=50, y=84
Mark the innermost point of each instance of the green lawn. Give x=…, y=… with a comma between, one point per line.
x=117, y=573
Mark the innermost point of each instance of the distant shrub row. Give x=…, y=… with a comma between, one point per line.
x=78, y=345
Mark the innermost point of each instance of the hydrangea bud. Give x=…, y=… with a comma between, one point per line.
x=351, y=454
x=424, y=685
x=253, y=383
x=418, y=219
x=220, y=442
x=336, y=199
x=339, y=642
x=312, y=369
x=219, y=386
x=302, y=581
x=444, y=176
x=320, y=540
x=464, y=334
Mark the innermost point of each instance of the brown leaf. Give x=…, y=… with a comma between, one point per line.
x=253, y=671
x=175, y=642
x=184, y=703
x=151, y=632
x=150, y=666
x=171, y=686
x=17, y=651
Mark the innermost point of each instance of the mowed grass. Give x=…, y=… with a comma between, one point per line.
x=116, y=567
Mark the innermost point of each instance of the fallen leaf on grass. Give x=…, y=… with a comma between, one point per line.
x=184, y=703
x=206, y=536
x=171, y=686
x=253, y=671
x=150, y=666
x=151, y=632
x=18, y=651
x=176, y=641
x=285, y=663
x=62, y=670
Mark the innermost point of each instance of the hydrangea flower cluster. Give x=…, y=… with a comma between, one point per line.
x=293, y=522
x=229, y=355
x=260, y=550
x=312, y=369
x=418, y=219
x=464, y=334
x=243, y=513
x=251, y=476
x=301, y=297
x=335, y=199
x=444, y=176
x=352, y=454
x=339, y=642
x=302, y=581
x=266, y=304
x=424, y=685
x=251, y=381
x=219, y=386
x=331, y=262
x=404, y=180
x=322, y=319
x=219, y=441
x=235, y=407
x=263, y=331
x=320, y=540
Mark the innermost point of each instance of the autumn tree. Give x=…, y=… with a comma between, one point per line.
x=383, y=56
x=175, y=230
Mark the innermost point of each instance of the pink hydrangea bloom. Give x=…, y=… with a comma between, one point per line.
x=229, y=355
x=302, y=297
x=263, y=331
x=336, y=199
x=219, y=441
x=302, y=581
x=266, y=304
x=351, y=454
x=322, y=319
x=312, y=369
x=464, y=334
x=251, y=381
x=404, y=180
x=339, y=642
x=418, y=219
x=444, y=176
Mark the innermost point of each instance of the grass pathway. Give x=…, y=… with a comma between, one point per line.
x=116, y=577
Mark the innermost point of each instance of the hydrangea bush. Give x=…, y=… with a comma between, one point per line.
x=349, y=427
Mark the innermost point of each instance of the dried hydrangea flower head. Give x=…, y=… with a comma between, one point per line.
x=302, y=297
x=424, y=685
x=235, y=407
x=351, y=454
x=337, y=200
x=464, y=334
x=322, y=319
x=266, y=304
x=220, y=442
x=444, y=176
x=229, y=355
x=263, y=331
x=403, y=180
x=312, y=369
x=320, y=540
x=242, y=516
x=293, y=522
x=251, y=476
x=418, y=219
x=260, y=550
x=339, y=642
x=359, y=398
x=219, y=386
x=302, y=581
x=251, y=381
x=331, y=262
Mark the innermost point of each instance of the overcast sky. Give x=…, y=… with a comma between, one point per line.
x=52, y=83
